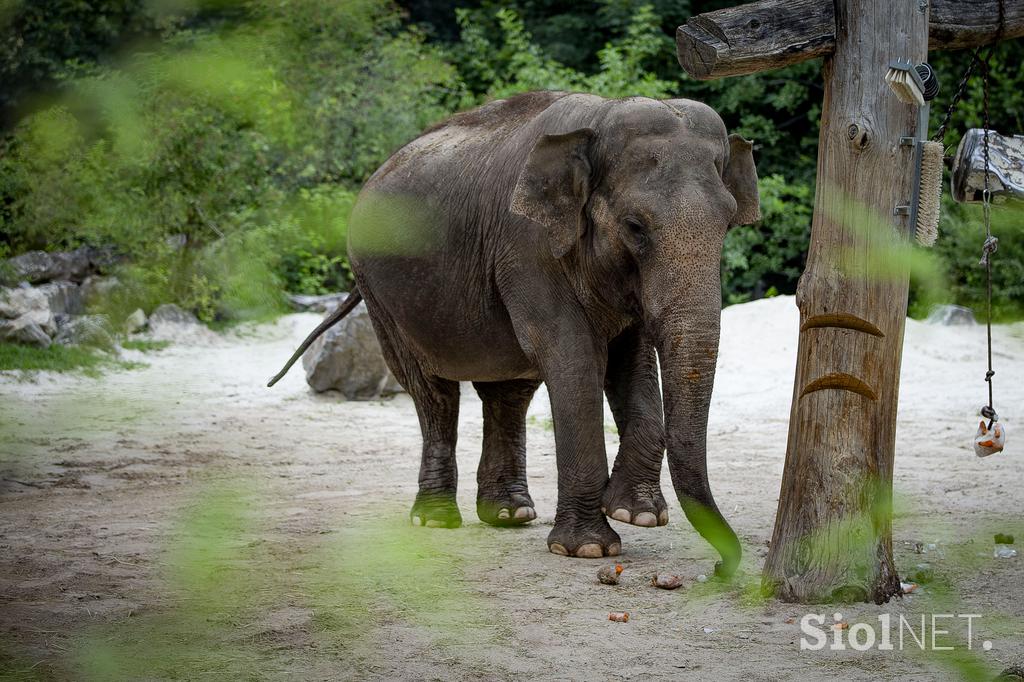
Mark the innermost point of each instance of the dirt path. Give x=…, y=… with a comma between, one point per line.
x=181, y=520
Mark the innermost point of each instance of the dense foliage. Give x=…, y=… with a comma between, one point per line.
x=219, y=144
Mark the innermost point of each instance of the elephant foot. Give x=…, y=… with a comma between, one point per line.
x=590, y=538
x=435, y=510
x=506, y=509
x=637, y=502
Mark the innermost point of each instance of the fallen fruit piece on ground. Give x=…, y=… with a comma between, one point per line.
x=841, y=625
x=702, y=578
x=667, y=581
x=609, y=575
x=908, y=588
x=619, y=616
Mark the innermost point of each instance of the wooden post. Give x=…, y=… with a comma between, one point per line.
x=833, y=532
x=832, y=537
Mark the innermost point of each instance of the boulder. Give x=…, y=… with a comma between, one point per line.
x=87, y=330
x=28, y=304
x=63, y=298
x=96, y=289
x=951, y=315
x=169, y=313
x=347, y=358
x=24, y=330
x=170, y=323
x=39, y=266
x=135, y=322
x=34, y=266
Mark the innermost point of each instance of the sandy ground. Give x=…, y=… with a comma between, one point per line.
x=181, y=521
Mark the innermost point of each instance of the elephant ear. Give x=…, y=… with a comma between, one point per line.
x=554, y=186
x=740, y=176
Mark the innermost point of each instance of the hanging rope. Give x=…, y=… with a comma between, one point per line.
x=990, y=439
x=991, y=242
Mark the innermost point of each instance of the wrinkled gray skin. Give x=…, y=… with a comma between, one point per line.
x=564, y=239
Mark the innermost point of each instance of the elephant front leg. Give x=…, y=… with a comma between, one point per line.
x=503, y=498
x=577, y=406
x=634, y=494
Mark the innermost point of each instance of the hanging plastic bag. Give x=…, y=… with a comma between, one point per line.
x=989, y=441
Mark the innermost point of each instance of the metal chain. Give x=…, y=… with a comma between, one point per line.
x=975, y=61
x=960, y=90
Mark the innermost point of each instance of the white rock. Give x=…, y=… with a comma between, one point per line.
x=24, y=330
x=135, y=322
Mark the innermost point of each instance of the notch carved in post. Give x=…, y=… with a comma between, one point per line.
x=842, y=321
x=842, y=381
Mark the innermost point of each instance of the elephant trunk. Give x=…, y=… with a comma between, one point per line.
x=686, y=334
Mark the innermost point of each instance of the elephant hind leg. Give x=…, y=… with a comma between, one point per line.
x=437, y=406
x=503, y=498
x=633, y=494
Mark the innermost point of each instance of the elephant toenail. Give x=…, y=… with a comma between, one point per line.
x=526, y=513
x=591, y=550
x=663, y=517
x=614, y=549
x=622, y=515
x=645, y=519
x=433, y=523
x=503, y=514
x=556, y=548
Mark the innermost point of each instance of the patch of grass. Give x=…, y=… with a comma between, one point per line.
x=58, y=358
x=145, y=345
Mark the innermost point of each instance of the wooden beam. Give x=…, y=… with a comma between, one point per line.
x=833, y=532
x=963, y=24
x=771, y=34
x=762, y=35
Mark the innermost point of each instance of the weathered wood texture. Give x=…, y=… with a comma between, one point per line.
x=774, y=33
x=961, y=24
x=755, y=37
x=1006, y=167
x=833, y=537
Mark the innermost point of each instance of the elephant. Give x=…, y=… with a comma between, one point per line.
x=573, y=240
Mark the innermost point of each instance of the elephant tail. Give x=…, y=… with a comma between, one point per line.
x=341, y=311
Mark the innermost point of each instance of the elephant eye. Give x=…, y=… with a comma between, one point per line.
x=636, y=226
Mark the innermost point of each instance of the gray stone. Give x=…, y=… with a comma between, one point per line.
x=347, y=358
x=951, y=315
x=169, y=313
x=170, y=323
x=63, y=298
x=28, y=303
x=40, y=266
x=34, y=266
x=96, y=289
x=135, y=322
x=319, y=304
x=87, y=330
x=24, y=330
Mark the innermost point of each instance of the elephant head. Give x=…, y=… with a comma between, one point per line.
x=636, y=205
